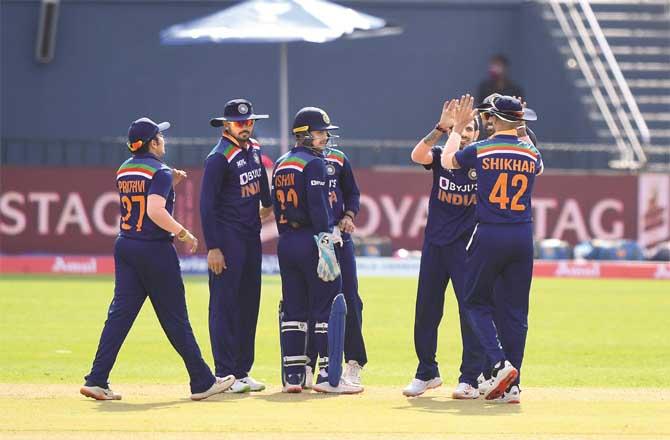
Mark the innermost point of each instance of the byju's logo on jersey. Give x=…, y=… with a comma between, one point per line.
x=241, y=163
x=330, y=169
x=447, y=185
x=472, y=174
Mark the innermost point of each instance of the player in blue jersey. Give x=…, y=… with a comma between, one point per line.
x=146, y=265
x=344, y=203
x=234, y=185
x=450, y=221
x=309, y=269
x=527, y=135
x=501, y=246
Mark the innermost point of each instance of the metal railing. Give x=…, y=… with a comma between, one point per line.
x=595, y=70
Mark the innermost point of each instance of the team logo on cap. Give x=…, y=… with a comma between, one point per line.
x=330, y=169
x=326, y=119
x=243, y=109
x=472, y=174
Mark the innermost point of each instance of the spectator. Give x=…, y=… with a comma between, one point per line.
x=498, y=82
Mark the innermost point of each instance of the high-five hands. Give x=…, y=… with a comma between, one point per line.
x=464, y=113
x=448, y=116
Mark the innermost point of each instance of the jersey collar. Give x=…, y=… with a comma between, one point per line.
x=506, y=133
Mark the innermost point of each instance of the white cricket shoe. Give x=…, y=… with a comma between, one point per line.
x=465, y=391
x=417, y=386
x=342, y=388
x=502, y=376
x=512, y=395
x=99, y=393
x=238, y=387
x=484, y=386
x=309, y=378
x=220, y=385
x=254, y=385
x=352, y=373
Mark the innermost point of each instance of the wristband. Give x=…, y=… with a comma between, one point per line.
x=181, y=236
x=347, y=214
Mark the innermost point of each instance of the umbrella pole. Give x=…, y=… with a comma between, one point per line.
x=283, y=97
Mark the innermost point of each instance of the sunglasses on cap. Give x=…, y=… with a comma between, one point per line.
x=245, y=123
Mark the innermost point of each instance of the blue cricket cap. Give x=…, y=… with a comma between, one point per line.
x=236, y=110
x=142, y=131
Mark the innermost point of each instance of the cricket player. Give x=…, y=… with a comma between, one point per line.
x=146, y=264
x=309, y=269
x=344, y=203
x=450, y=222
x=234, y=186
x=501, y=245
x=527, y=135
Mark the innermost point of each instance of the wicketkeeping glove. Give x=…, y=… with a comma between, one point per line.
x=328, y=268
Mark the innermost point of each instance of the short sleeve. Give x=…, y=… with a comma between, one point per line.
x=540, y=165
x=467, y=157
x=436, y=152
x=161, y=184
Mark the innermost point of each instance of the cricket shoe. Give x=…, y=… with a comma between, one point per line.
x=511, y=395
x=483, y=384
x=465, y=391
x=220, y=385
x=342, y=388
x=238, y=387
x=254, y=385
x=293, y=384
x=309, y=378
x=417, y=386
x=352, y=373
x=502, y=375
x=99, y=393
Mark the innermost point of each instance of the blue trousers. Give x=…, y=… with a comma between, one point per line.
x=234, y=299
x=305, y=296
x=354, y=344
x=500, y=258
x=148, y=268
x=438, y=265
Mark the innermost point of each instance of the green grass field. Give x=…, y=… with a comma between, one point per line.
x=586, y=337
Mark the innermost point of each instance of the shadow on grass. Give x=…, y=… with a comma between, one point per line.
x=289, y=398
x=477, y=407
x=116, y=406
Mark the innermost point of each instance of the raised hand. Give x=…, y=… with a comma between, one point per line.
x=464, y=113
x=520, y=99
x=447, y=118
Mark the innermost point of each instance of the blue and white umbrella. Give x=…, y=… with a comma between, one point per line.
x=279, y=21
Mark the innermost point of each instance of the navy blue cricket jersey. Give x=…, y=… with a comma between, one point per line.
x=299, y=191
x=136, y=179
x=451, y=209
x=506, y=169
x=343, y=193
x=234, y=183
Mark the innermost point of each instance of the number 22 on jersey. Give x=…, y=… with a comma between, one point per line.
x=285, y=197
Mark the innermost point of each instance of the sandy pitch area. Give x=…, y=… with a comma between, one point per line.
x=29, y=411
